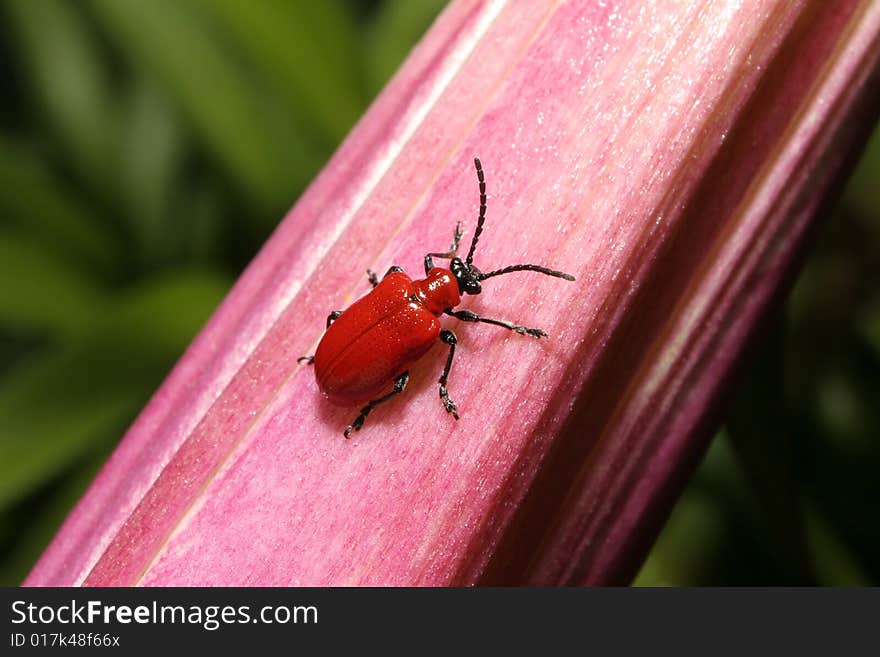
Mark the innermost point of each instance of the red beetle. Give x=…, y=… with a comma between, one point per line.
x=381, y=335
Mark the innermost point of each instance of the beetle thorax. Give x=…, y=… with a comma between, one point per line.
x=438, y=291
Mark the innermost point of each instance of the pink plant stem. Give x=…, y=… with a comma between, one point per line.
x=670, y=155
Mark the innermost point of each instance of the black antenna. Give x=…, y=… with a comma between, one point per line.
x=537, y=268
x=482, y=217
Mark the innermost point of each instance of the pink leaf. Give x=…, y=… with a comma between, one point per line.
x=671, y=155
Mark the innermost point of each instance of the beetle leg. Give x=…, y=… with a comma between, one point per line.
x=399, y=386
x=310, y=360
x=456, y=238
x=449, y=338
x=374, y=279
x=332, y=317
x=468, y=316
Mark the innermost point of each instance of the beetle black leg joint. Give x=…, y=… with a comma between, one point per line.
x=534, y=332
x=449, y=338
x=393, y=269
x=309, y=360
x=372, y=277
x=456, y=238
x=468, y=316
x=399, y=387
x=448, y=255
x=332, y=317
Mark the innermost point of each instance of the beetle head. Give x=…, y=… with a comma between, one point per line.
x=467, y=275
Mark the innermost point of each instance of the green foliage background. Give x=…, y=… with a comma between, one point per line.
x=147, y=149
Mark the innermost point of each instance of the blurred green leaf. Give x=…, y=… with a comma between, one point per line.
x=48, y=294
x=56, y=406
x=36, y=203
x=842, y=414
x=70, y=83
x=53, y=409
x=268, y=156
x=835, y=563
x=202, y=205
x=701, y=529
x=397, y=25
x=869, y=325
x=152, y=173
x=758, y=428
x=162, y=314
x=684, y=552
x=305, y=52
x=34, y=527
x=861, y=188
